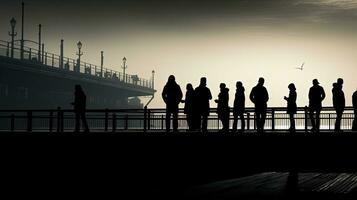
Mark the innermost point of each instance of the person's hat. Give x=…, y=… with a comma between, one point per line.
x=315, y=81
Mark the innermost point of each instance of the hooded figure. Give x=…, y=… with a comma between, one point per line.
x=79, y=105
x=223, y=107
x=239, y=107
x=339, y=102
x=172, y=96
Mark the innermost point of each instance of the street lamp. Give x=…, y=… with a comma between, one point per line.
x=79, y=45
x=124, y=68
x=12, y=34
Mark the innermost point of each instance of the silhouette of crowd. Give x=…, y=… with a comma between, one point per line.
x=197, y=105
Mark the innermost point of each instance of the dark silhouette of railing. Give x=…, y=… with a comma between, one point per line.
x=142, y=120
x=69, y=64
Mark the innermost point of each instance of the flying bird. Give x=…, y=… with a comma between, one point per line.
x=301, y=68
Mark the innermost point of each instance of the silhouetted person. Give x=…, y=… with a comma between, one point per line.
x=291, y=108
x=259, y=96
x=80, y=108
x=316, y=96
x=189, y=106
x=203, y=96
x=354, y=103
x=239, y=107
x=223, y=107
x=172, y=96
x=339, y=102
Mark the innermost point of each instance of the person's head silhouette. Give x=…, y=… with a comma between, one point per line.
x=292, y=87
x=171, y=79
x=222, y=86
x=315, y=82
x=77, y=88
x=203, y=81
x=239, y=84
x=189, y=86
x=340, y=81
x=261, y=81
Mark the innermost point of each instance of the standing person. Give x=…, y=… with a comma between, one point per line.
x=80, y=108
x=203, y=96
x=172, y=96
x=354, y=102
x=189, y=106
x=291, y=108
x=339, y=102
x=239, y=107
x=223, y=107
x=316, y=96
x=259, y=96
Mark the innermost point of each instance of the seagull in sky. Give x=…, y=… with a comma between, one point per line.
x=301, y=68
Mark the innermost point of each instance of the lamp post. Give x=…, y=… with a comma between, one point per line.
x=79, y=45
x=22, y=31
x=124, y=68
x=152, y=79
x=12, y=34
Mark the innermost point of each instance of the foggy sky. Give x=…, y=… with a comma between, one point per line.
x=250, y=37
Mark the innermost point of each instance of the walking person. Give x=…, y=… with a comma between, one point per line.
x=354, y=102
x=239, y=107
x=316, y=96
x=189, y=106
x=259, y=96
x=79, y=105
x=203, y=96
x=172, y=96
x=223, y=107
x=339, y=102
x=291, y=107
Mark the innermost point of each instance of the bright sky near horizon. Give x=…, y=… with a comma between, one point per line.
x=225, y=41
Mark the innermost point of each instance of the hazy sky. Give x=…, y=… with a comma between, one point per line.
x=225, y=41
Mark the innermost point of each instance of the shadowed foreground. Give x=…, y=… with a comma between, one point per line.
x=163, y=165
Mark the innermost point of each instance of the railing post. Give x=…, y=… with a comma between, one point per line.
x=29, y=121
x=248, y=121
x=12, y=126
x=46, y=58
x=53, y=60
x=306, y=116
x=58, y=119
x=149, y=113
x=8, y=50
x=106, y=120
x=126, y=122
x=30, y=54
x=329, y=121
x=162, y=122
x=254, y=122
x=273, y=119
x=62, y=121
x=114, y=123
x=145, y=111
x=51, y=122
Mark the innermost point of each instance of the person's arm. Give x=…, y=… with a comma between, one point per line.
x=323, y=95
x=267, y=95
x=180, y=94
x=163, y=94
x=251, y=96
x=209, y=94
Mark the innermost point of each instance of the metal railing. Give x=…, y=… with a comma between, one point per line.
x=52, y=60
x=113, y=120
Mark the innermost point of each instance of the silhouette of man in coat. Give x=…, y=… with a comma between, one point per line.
x=203, y=96
x=316, y=96
x=172, y=96
x=223, y=107
x=259, y=96
x=80, y=108
x=354, y=103
x=239, y=107
x=339, y=102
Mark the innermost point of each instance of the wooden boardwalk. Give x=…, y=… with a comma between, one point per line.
x=274, y=185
